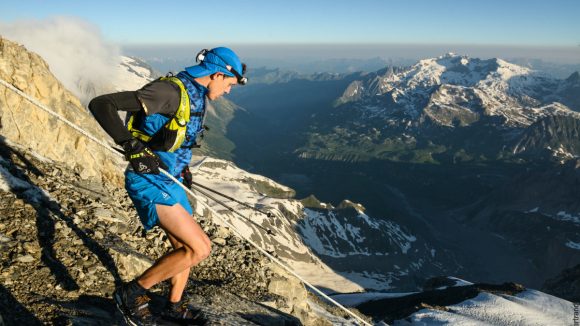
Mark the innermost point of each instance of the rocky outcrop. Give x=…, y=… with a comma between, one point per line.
x=550, y=136
x=25, y=124
x=313, y=202
x=570, y=91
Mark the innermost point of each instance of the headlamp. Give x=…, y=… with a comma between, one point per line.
x=240, y=77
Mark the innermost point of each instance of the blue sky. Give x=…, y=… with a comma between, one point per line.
x=535, y=23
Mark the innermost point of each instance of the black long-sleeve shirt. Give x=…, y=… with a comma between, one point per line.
x=159, y=96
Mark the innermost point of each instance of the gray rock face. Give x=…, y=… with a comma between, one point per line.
x=555, y=133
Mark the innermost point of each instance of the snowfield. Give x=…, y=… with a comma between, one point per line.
x=530, y=307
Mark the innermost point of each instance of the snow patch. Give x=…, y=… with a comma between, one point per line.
x=567, y=217
x=533, y=210
x=573, y=245
x=10, y=183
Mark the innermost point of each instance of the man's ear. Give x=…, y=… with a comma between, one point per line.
x=215, y=75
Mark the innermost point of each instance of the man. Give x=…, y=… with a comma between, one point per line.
x=164, y=118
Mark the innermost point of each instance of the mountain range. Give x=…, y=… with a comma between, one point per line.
x=450, y=105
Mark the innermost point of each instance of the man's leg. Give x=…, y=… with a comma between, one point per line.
x=196, y=246
x=179, y=281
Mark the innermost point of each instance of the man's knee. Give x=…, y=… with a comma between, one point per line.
x=198, y=253
x=204, y=251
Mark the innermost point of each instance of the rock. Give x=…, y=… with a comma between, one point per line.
x=25, y=259
x=222, y=232
x=104, y=214
x=219, y=241
x=224, y=308
x=129, y=263
x=294, y=296
x=4, y=238
x=31, y=247
x=98, y=235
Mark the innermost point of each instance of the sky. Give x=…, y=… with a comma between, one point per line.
x=82, y=39
x=527, y=23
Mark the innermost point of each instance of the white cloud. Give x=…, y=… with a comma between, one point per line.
x=76, y=51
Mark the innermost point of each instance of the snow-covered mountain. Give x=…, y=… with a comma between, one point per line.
x=132, y=74
x=451, y=105
x=458, y=90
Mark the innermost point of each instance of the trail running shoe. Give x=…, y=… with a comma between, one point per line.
x=134, y=306
x=183, y=313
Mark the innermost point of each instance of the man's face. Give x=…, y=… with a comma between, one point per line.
x=220, y=85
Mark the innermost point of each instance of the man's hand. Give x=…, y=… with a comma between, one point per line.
x=187, y=177
x=141, y=157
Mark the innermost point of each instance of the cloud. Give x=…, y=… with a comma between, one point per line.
x=76, y=51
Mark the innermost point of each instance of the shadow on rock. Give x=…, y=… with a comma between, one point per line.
x=87, y=310
x=14, y=313
x=47, y=212
x=220, y=307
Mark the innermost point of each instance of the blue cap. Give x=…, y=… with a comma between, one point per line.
x=216, y=60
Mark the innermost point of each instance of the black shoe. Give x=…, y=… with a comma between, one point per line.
x=183, y=313
x=134, y=306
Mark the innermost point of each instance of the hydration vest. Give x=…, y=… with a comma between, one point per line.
x=174, y=132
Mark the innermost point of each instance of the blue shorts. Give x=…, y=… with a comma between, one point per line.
x=148, y=190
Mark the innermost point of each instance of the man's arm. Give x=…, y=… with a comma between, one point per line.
x=156, y=97
x=104, y=108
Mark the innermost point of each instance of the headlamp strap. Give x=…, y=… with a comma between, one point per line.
x=241, y=79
